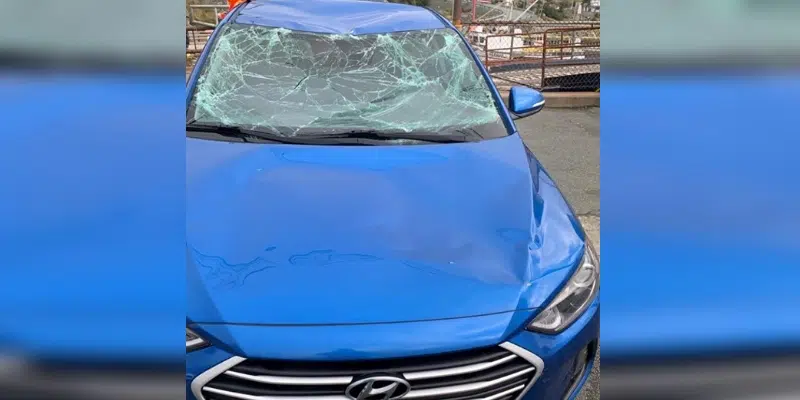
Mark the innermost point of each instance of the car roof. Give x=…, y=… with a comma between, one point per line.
x=354, y=17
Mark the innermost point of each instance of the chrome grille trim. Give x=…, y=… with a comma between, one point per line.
x=457, y=389
x=250, y=397
x=201, y=380
x=198, y=385
x=531, y=358
x=441, y=373
x=293, y=380
x=506, y=393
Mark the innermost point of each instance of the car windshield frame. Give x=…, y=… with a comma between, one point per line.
x=431, y=73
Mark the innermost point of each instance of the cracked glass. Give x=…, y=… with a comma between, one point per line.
x=301, y=83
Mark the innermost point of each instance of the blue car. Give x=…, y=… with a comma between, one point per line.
x=364, y=222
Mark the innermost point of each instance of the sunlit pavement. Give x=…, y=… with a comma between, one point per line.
x=567, y=142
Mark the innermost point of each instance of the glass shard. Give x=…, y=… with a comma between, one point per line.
x=300, y=82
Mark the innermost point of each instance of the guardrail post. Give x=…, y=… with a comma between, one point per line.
x=486, y=51
x=511, y=49
x=544, y=57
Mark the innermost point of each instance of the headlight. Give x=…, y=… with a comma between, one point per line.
x=194, y=341
x=573, y=299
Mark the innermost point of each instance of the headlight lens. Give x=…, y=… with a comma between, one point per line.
x=194, y=341
x=573, y=299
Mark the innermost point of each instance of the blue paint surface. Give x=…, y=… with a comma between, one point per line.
x=372, y=234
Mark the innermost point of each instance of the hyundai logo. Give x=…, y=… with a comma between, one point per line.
x=378, y=388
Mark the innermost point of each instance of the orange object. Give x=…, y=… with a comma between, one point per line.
x=231, y=5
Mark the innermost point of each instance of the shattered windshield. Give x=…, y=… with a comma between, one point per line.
x=300, y=83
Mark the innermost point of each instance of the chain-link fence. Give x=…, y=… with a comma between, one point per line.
x=549, y=56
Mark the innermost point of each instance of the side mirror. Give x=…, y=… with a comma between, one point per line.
x=524, y=101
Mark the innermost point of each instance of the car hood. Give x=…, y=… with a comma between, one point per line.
x=310, y=235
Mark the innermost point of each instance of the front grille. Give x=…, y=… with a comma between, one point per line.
x=486, y=374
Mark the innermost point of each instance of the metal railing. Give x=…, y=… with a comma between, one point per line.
x=544, y=56
x=535, y=25
x=197, y=37
x=215, y=9
x=577, y=66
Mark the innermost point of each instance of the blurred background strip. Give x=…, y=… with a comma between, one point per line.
x=92, y=224
x=700, y=194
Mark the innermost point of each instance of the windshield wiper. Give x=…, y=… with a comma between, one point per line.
x=351, y=137
x=375, y=134
x=236, y=131
x=260, y=134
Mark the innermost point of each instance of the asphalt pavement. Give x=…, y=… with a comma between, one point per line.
x=567, y=143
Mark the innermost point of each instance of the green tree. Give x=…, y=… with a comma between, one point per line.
x=551, y=10
x=557, y=9
x=568, y=8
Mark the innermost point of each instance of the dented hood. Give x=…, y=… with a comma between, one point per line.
x=295, y=235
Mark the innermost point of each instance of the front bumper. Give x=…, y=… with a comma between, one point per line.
x=557, y=353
